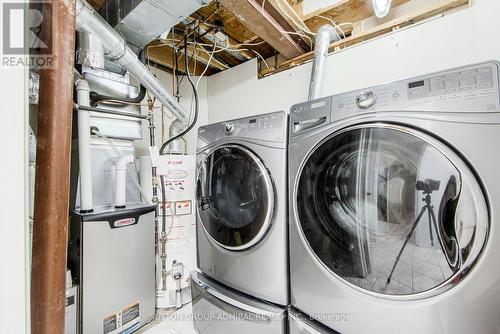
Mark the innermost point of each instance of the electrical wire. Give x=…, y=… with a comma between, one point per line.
x=333, y=23
x=208, y=65
x=231, y=48
x=301, y=35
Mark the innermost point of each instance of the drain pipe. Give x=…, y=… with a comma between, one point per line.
x=327, y=34
x=84, y=154
x=87, y=19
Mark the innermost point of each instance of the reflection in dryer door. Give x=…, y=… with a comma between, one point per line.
x=388, y=211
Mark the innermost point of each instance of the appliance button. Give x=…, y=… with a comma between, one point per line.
x=229, y=128
x=366, y=99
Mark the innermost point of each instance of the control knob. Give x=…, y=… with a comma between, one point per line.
x=229, y=128
x=366, y=100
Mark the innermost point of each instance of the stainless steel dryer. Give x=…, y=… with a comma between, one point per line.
x=394, y=202
x=242, y=205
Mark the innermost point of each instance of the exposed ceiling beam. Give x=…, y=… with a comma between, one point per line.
x=289, y=13
x=344, y=11
x=164, y=55
x=438, y=7
x=251, y=14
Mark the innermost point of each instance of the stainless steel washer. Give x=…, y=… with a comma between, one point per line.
x=242, y=205
x=394, y=195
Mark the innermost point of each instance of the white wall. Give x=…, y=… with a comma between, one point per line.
x=464, y=37
x=186, y=93
x=13, y=202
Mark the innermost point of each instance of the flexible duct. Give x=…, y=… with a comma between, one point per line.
x=116, y=48
x=326, y=34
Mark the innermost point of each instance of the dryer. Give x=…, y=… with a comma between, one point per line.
x=242, y=233
x=394, y=202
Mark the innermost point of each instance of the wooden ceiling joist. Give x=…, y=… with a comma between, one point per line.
x=289, y=13
x=164, y=55
x=251, y=14
x=345, y=11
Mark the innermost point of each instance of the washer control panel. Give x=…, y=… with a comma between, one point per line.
x=468, y=89
x=269, y=127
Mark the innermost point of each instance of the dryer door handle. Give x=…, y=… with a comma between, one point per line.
x=308, y=124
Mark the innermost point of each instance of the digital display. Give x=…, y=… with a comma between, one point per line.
x=416, y=84
x=253, y=121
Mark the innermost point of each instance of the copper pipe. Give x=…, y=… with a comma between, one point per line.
x=50, y=228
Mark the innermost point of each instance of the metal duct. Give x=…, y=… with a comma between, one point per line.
x=326, y=34
x=116, y=49
x=140, y=22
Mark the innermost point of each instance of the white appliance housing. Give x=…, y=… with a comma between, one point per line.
x=362, y=167
x=242, y=205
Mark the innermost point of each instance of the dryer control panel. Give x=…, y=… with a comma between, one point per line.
x=467, y=89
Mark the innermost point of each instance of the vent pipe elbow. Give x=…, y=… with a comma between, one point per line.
x=88, y=20
x=177, y=146
x=327, y=34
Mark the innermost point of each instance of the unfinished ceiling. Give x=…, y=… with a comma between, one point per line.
x=280, y=33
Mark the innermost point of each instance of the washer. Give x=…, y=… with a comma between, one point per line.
x=242, y=232
x=363, y=167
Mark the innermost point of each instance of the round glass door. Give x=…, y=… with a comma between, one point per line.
x=235, y=197
x=391, y=210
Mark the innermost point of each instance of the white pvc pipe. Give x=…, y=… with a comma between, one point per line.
x=121, y=181
x=84, y=154
x=87, y=19
x=326, y=35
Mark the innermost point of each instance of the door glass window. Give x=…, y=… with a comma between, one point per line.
x=235, y=197
x=390, y=213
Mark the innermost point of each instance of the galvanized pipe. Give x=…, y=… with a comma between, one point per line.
x=50, y=228
x=117, y=50
x=326, y=35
